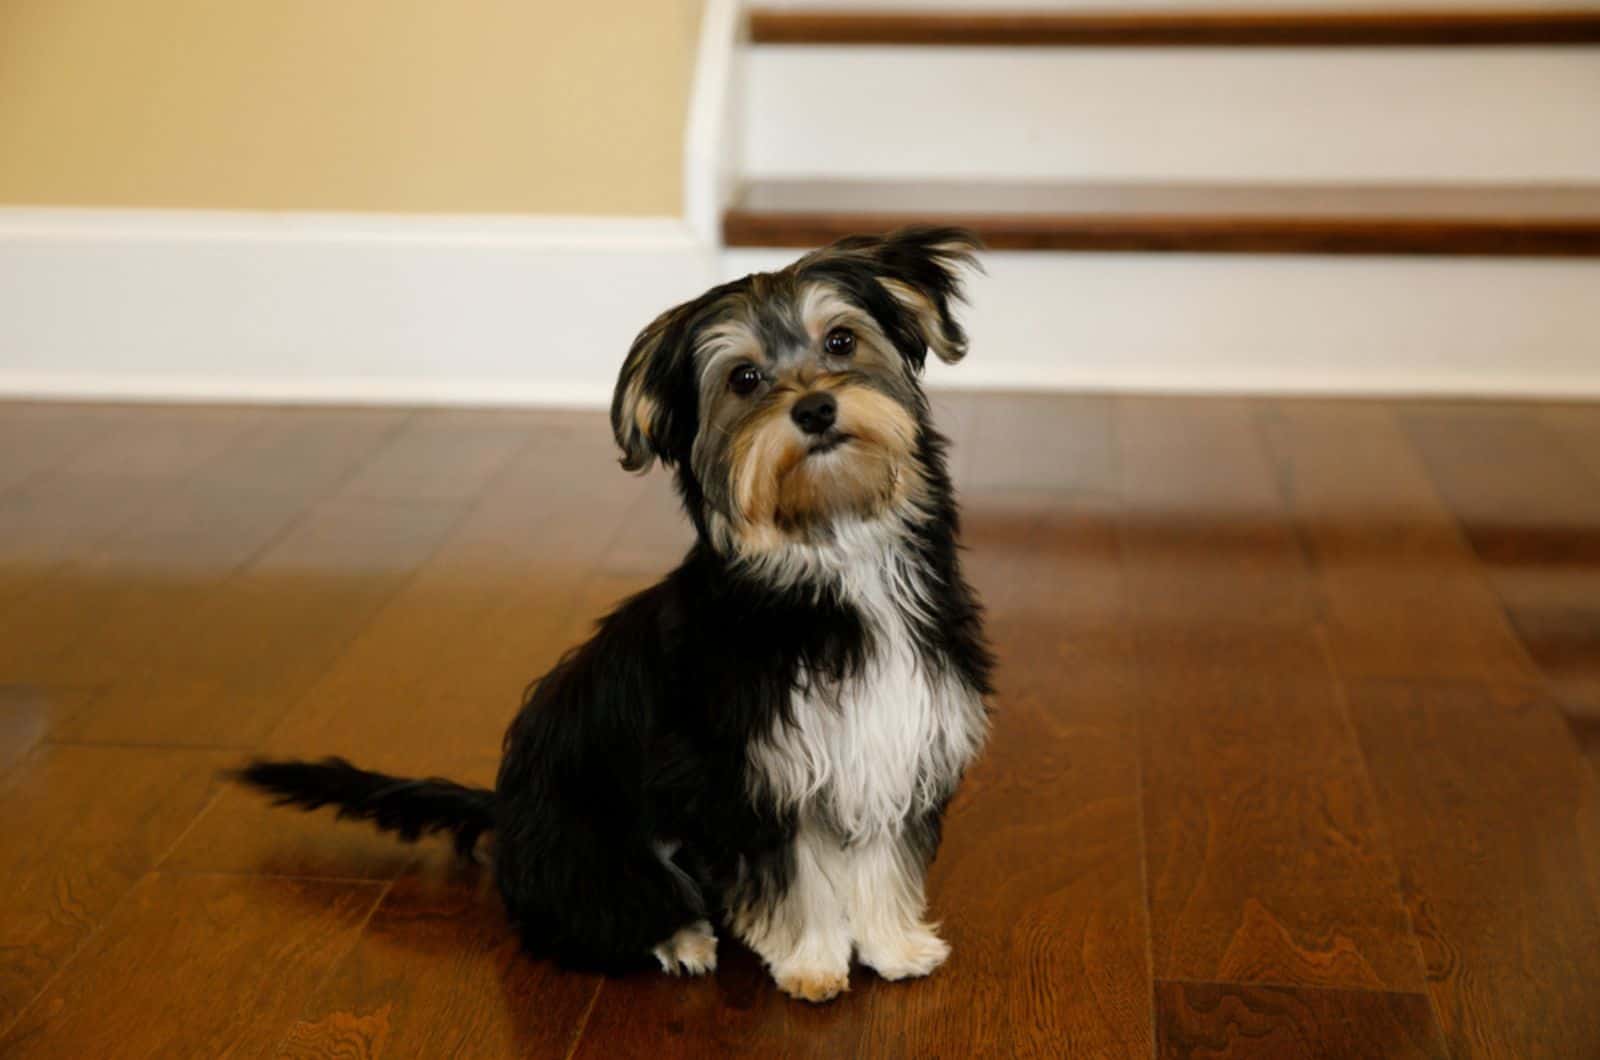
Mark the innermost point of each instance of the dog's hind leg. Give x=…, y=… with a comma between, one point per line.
x=597, y=901
x=692, y=949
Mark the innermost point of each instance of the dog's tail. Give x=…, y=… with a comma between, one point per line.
x=408, y=808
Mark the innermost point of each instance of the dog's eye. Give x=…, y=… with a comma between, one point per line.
x=744, y=379
x=840, y=342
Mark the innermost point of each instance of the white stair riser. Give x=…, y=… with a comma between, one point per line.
x=1170, y=114
x=1262, y=323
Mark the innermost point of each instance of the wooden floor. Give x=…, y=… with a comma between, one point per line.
x=1294, y=755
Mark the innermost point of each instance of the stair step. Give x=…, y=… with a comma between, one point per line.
x=1494, y=221
x=1285, y=27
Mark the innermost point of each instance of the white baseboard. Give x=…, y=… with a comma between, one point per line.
x=260, y=308
x=343, y=308
x=1203, y=323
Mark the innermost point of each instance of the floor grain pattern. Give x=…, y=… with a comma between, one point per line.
x=1228, y=1020
x=196, y=966
x=1496, y=825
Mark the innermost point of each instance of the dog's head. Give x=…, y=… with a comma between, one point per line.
x=788, y=401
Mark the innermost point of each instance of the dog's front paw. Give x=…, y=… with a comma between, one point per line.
x=908, y=956
x=807, y=982
x=690, y=951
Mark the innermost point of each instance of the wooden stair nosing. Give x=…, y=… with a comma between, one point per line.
x=1332, y=27
x=1477, y=236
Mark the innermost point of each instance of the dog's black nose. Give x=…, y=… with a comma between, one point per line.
x=815, y=413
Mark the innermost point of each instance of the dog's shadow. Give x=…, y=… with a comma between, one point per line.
x=438, y=947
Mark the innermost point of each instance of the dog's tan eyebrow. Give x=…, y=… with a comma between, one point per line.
x=821, y=306
x=726, y=338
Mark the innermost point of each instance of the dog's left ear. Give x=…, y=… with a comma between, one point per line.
x=921, y=267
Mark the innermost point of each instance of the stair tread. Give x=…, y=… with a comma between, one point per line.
x=1389, y=218
x=1223, y=26
x=1035, y=197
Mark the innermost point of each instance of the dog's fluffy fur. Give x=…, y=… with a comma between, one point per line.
x=768, y=737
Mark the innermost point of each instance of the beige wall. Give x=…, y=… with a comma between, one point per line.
x=452, y=106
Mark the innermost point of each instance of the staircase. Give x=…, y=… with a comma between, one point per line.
x=1426, y=183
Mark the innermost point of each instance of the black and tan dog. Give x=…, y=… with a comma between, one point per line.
x=767, y=738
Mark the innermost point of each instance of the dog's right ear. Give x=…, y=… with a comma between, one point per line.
x=633, y=409
x=641, y=416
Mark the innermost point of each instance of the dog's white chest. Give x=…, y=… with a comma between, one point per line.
x=871, y=750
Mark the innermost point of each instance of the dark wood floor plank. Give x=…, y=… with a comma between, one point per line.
x=141, y=461
x=1496, y=826
x=955, y=414
x=437, y=972
x=166, y=443
x=56, y=521
x=1226, y=1020
x=226, y=672
x=735, y=1012
x=309, y=451
x=1531, y=509
x=29, y=713
x=1402, y=593
x=1043, y=521
x=654, y=534
x=1207, y=537
x=196, y=966
x=1578, y=427
x=94, y=617
x=84, y=824
x=97, y=617
x=1572, y=649
x=1037, y=442
x=238, y=554
x=446, y=454
x=1266, y=858
x=38, y=438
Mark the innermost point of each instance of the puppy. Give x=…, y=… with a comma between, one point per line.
x=765, y=740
